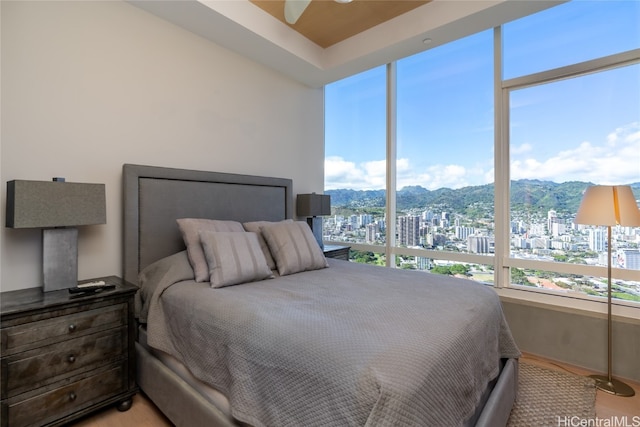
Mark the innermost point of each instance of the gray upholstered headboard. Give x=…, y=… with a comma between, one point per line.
x=154, y=197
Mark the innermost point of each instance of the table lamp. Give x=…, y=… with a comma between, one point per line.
x=58, y=207
x=312, y=206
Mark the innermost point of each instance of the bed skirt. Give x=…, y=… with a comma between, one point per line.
x=185, y=406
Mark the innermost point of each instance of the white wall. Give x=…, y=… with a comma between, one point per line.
x=88, y=86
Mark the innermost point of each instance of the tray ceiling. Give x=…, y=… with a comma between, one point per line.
x=347, y=38
x=326, y=22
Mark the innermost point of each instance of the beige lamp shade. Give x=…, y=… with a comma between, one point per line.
x=609, y=205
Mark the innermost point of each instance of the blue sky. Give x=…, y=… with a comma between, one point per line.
x=585, y=129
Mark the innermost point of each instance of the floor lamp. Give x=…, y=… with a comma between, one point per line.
x=609, y=205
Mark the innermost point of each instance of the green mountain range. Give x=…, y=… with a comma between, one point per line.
x=530, y=194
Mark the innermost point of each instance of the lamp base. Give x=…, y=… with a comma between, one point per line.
x=59, y=258
x=612, y=387
x=315, y=223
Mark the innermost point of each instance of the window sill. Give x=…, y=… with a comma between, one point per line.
x=562, y=301
x=571, y=302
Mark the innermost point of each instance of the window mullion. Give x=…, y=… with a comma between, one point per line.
x=501, y=163
x=391, y=164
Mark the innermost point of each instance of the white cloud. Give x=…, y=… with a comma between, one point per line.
x=626, y=134
x=340, y=173
x=617, y=161
x=524, y=148
x=345, y=174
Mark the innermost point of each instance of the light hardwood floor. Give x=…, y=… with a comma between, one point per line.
x=144, y=414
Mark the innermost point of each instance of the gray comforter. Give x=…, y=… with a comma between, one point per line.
x=346, y=345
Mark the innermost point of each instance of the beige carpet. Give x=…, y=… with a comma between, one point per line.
x=548, y=397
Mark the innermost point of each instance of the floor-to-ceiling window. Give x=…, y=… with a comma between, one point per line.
x=497, y=203
x=444, y=167
x=355, y=162
x=574, y=120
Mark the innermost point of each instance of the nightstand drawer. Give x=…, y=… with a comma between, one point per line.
x=47, y=365
x=58, y=403
x=56, y=329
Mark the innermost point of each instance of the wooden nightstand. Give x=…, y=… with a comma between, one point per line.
x=337, y=252
x=65, y=355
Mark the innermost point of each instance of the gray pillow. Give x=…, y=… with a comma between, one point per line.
x=255, y=227
x=234, y=258
x=293, y=247
x=190, y=229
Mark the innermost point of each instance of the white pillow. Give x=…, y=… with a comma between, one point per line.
x=190, y=229
x=234, y=258
x=294, y=248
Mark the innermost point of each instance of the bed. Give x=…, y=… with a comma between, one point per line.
x=336, y=344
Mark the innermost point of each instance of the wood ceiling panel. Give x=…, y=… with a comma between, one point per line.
x=326, y=22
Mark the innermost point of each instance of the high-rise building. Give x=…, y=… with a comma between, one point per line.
x=427, y=216
x=463, y=232
x=478, y=244
x=627, y=258
x=409, y=230
x=445, y=219
x=364, y=219
x=353, y=222
x=597, y=240
x=371, y=232
x=552, y=218
x=558, y=228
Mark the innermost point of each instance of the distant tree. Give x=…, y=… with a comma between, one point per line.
x=441, y=269
x=364, y=257
x=460, y=269
x=451, y=270
x=519, y=277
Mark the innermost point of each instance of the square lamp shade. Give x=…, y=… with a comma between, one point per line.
x=57, y=207
x=313, y=204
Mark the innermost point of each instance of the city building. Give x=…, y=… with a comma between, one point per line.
x=597, y=239
x=409, y=230
x=627, y=258
x=479, y=244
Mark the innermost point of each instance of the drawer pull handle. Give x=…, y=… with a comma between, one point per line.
x=72, y=327
x=72, y=396
x=71, y=358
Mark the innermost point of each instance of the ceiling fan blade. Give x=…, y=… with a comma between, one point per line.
x=293, y=9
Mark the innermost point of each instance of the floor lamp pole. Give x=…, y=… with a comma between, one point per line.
x=607, y=383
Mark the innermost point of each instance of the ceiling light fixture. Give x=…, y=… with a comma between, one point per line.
x=293, y=9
